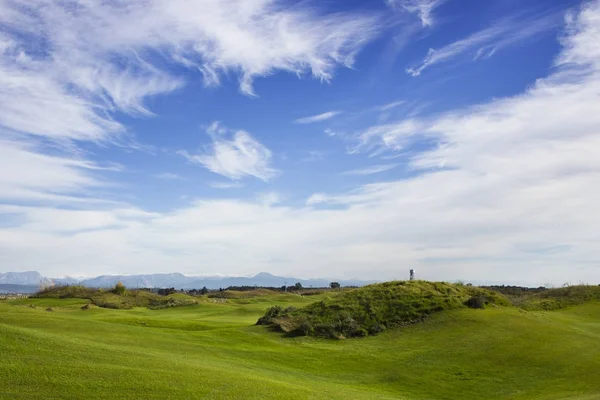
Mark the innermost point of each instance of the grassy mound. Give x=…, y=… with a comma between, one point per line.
x=127, y=300
x=172, y=300
x=141, y=298
x=556, y=299
x=118, y=298
x=212, y=352
x=375, y=308
x=67, y=292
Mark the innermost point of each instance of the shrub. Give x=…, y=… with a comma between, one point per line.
x=167, y=291
x=119, y=289
x=477, y=301
x=273, y=314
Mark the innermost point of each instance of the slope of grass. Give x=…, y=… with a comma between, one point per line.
x=372, y=309
x=122, y=299
x=556, y=299
x=212, y=351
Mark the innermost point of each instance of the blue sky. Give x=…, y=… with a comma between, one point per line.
x=352, y=139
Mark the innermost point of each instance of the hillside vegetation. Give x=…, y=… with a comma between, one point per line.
x=118, y=297
x=212, y=350
x=375, y=308
x=559, y=298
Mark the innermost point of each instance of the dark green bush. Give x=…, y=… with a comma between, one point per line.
x=477, y=301
x=274, y=313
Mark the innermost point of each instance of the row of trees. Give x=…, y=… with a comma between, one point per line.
x=120, y=289
x=193, y=292
x=298, y=286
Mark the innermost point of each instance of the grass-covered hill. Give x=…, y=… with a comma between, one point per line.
x=372, y=309
x=117, y=298
x=555, y=299
x=214, y=351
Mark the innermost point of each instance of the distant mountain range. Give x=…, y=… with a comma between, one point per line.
x=35, y=279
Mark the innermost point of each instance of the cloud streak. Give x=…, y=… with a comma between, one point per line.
x=70, y=69
x=317, y=118
x=422, y=8
x=66, y=66
x=485, y=43
x=373, y=169
x=519, y=177
x=169, y=176
x=27, y=175
x=225, y=185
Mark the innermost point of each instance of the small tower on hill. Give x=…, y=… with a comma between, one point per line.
x=412, y=274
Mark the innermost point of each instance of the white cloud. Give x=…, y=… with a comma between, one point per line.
x=105, y=48
x=68, y=68
x=422, y=8
x=317, y=198
x=484, y=43
x=390, y=106
x=317, y=118
x=373, y=169
x=225, y=185
x=521, y=177
x=234, y=158
x=170, y=176
x=28, y=175
x=270, y=198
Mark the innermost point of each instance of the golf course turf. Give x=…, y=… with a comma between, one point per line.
x=52, y=349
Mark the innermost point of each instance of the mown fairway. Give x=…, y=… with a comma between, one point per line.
x=213, y=351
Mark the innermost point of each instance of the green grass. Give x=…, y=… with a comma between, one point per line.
x=212, y=350
x=373, y=309
x=118, y=297
x=556, y=299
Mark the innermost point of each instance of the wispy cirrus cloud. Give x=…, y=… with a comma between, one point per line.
x=70, y=69
x=390, y=106
x=522, y=183
x=169, y=176
x=65, y=66
x=422, y=8
x=373, y=169
x=521, y=179
x=225, y=185
x=486, y=42
x=27, y=175
x=234, y=154
x=317, y=118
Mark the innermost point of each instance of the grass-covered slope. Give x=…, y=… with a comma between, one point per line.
x=117, y=299
x=212, y=351
x=375, y=308
x=559, y=298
